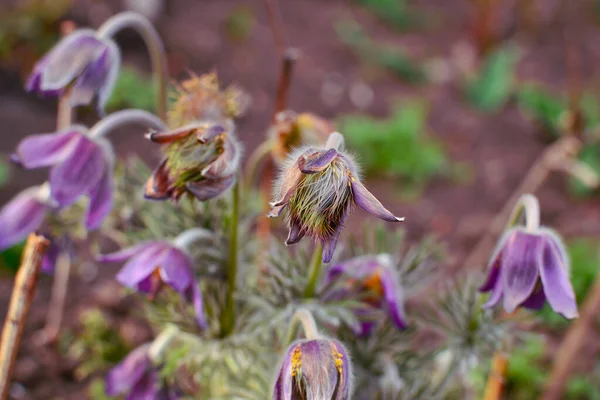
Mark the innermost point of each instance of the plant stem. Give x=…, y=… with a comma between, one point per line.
x=314, y=271
x=528, y=206
x=158, y=347
x=228, y=316
x=125, y=117
x=155, y=47
x=493, y=387
x=304, y=318
x=574, y=339
x=20, y=301
x=276, y=23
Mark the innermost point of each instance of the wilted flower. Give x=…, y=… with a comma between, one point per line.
x=81, y=165
x=527, y=268
x=202, y=154
x=315, y=369
x=292, y=130
x=317, y=187
x=23, y=215
x=371, y=279
x=154, y=263
x=82, y=62
x=137, y=377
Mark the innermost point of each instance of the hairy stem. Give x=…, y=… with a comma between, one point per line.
x=155, y=47
x=528, y=206
x=126, y=117
x=20, y=301
x=228, y=316
x=158, y=347
x=314, y=271
x=187, y=237
x=305, y=319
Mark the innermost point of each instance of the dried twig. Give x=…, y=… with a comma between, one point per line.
x=20, y=301
x=493, y=388
x=276, y=23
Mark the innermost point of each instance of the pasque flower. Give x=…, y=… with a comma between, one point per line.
x=314, y=369
x=201, y=152
x=82, y=164
x=81, y=61
x=137, y=377
x=371, y=279
x=154, y=263
x=316, y=188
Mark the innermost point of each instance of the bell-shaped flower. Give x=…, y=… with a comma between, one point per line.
x=23, y=215
x=202, y=159
x=373, y=280
x=317, y=187
x=137, y=377
x=314, y=369
x=81, y=165
x=154, y=263
x=81, y=62
x=527, y=268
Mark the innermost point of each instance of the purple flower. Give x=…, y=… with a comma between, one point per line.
x=137, y=377
x=528, y=268
x=153, y=263
x=82, y=62
x=314, y=369
x=23, y=215
x=81, y=165
x=317, y=187
x=373, y=280
x=201, y=159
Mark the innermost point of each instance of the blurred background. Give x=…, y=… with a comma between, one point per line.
x=447, y=103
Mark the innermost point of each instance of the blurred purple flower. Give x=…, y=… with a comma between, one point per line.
x=371, y=279
x=152, y=263
x=81, y=165
x=201, y=160
x=317, y=187
x=314, y=369
x=137, y=377
x=82, y=62
x=23, y=215
x=527, y=268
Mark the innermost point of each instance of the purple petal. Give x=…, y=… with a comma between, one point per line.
x=101, y=200
x=210, y=188
x=114, y=62
x=79, y=173
x=157, y=186
x=20, y=217
x=129, y=372
x=296, y=234
x=147, y=388
x=46, y=149
x=557, y=287
x=329, y=245
x=126, y=253
x=176, y=270
x=520, y=267
x=208, y=134
x=195, y=296
x=537, y=299
x=316, y=161
x=334, y=272
x=51, y=258
x=142, y=265
x=392, y=294
x=365, y=200
x=493, y=274
x=228, y=161
x=496, y=295
x=283, y=384
x=343, y=367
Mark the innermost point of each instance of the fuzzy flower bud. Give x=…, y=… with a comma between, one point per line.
x=316, y=188
x=315, y=369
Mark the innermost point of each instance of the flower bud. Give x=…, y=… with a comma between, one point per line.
x=316, y=188
x=316, y=369
x=292, y=130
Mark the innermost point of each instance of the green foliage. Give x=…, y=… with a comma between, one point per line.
x=397, y=146
x=392, y=59
x=11, y=257
x=395, y=13
x=96, y=390
x=132, y=90
x=543, y=107
x=526, y=373
x=494, y=85
x=585, y=258
x=240, y=23
x=584, y=387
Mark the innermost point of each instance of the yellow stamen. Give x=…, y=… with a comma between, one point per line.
x=296, y=360
x=337, y=358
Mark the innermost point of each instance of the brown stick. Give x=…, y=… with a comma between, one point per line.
x=570, y=347
x=20, y=301
x=290, y=56
x=276, y=23
x=493, y=388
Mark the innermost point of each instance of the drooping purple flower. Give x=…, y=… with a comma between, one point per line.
x=23, y=215
x=527, y=268
x=81, y=165
x=314, y=369
x=316, y=188
x=138, y=378
x=201, y=159
x=373, y=280
x=82, y=62
x=153, y=263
